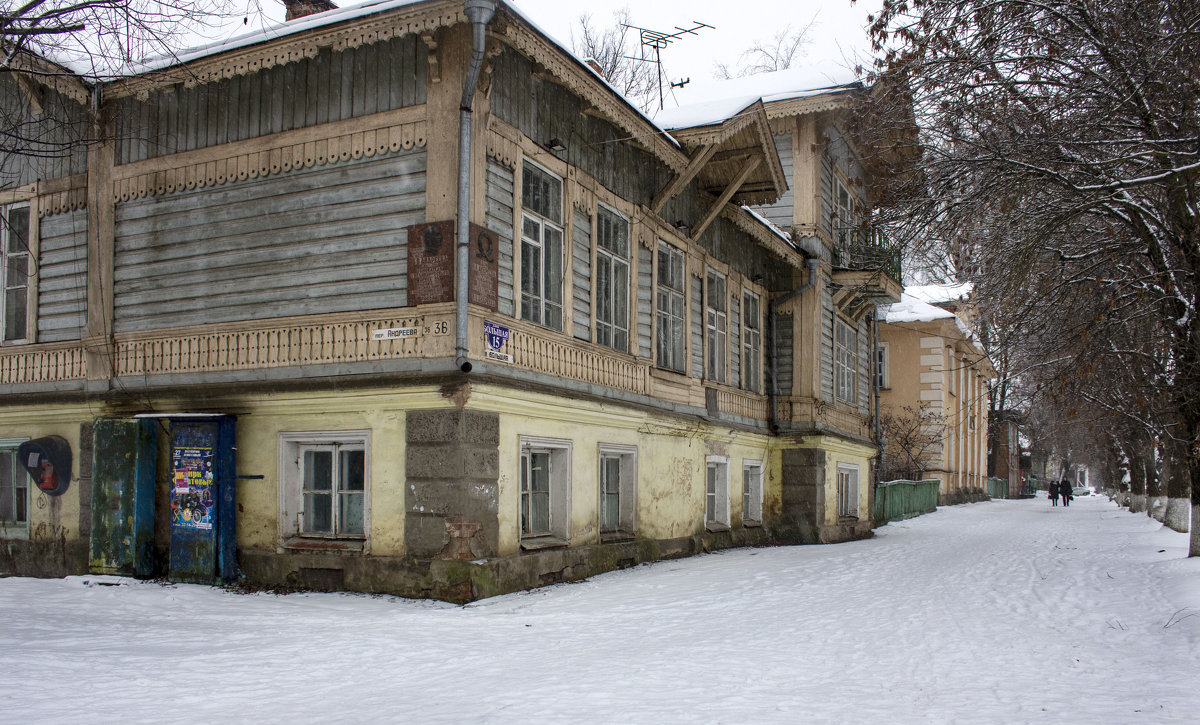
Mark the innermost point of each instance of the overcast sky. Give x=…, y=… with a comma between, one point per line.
x=838, y=32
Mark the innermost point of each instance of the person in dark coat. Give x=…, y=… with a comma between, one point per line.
x=1054, y=493
x=1064, y=490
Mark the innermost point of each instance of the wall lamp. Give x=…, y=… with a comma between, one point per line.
x=556, y=145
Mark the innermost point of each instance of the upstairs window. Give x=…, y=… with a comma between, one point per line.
x=882, y=377
x=751, y=342
x=846, y=211
x=14, y=258
x=541, y=247
x=716, y=326
x=845, y=366
x=612, y=280
x=672, y=307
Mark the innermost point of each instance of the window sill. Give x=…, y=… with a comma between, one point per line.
x=715, y=527
x=537, y=543
x=668, y=374
x=303, y=543
x=15, y=533
x=612, y=536
x=751, y=524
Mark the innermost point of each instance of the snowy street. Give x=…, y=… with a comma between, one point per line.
x=1001, y=612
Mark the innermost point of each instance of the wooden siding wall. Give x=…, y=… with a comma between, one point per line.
x=735, y=339
x=62, y=276
x=499, y=218
x=645, y=302
x=781, y=212
x=697, y=313
x=785, y=362
x=826, y=221
x=329, y=87
x=865, y=359
x=543, y=110
x=828, y=315
x=581, y=275
x=46, y=145
x=321, y=240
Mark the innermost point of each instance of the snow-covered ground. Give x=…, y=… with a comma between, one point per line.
x=1001, y=612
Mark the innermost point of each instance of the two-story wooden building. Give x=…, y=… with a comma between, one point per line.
x=473, y=322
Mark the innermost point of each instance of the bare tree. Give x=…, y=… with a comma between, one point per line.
x=53, y=52
x=914, y=438
x=1060, y=140
x=779, y=53
x=619, y=57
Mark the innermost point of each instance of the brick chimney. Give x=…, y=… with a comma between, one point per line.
x=304, y=8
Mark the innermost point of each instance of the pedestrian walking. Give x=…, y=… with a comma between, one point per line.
x=1053, y=493
x=1064, y=490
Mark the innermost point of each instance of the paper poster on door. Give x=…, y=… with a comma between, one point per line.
x=192, y=497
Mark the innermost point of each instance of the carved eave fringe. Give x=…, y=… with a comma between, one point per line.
x=770, y=241
x=61, y=202
x=290, y=49
x=279, y=159
x=584, y=83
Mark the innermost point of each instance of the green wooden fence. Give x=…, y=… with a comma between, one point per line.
x=896, y=500
x=998, y=487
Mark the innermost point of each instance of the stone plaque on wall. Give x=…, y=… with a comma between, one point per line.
x=430, y=263
x=484, y=266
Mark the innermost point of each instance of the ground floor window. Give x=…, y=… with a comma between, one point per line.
x=325, y=484
x=545, y=488
x=14, y=491
x=618, y=490
x=752, y=492
x=716, y=499
x=847, y=500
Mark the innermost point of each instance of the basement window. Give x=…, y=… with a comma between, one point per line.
x=545, y=514
x=716, y=494
x=618, y=491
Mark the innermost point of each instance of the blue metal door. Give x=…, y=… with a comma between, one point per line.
x=203, y=549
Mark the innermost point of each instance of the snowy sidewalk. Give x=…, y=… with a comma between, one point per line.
x=1001, y=612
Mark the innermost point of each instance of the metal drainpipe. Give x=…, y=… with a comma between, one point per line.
x=479, y=13
x=812, y=263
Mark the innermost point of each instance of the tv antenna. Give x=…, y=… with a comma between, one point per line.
x=656, y=40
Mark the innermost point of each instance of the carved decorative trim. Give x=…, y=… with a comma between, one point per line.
x=350, y=33
x=42, y=364
x=312, y=343
x=282, y=158
x=61, y=202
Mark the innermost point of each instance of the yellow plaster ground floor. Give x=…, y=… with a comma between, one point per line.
x=462, y=491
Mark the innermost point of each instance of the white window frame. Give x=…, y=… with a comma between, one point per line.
x=845, y=206
x=752, y=492
x=623, y=490
x=16, y=253
x=542, y=244
x=716, y=326
x=847, y=490
x=557, y=528
x=716, y=493
x=845, y=362
x=612, y=278
x=751, y=342
x=671, y=308
x=883, y=377
x=18, y=495
x=292, y=445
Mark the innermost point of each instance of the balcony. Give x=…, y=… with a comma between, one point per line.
x=863, y=249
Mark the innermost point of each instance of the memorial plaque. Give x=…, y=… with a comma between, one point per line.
x=430, y=263
x=485, y=267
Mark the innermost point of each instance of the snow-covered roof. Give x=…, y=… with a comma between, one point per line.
x=701, y=103
x=910, y=309
x=939, y=293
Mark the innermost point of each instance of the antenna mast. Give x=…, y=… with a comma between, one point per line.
x=656, y=40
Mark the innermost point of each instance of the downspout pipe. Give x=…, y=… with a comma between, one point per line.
x=813, y=265
x=479, y=13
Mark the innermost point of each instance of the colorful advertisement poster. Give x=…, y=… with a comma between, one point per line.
x=192, y=488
